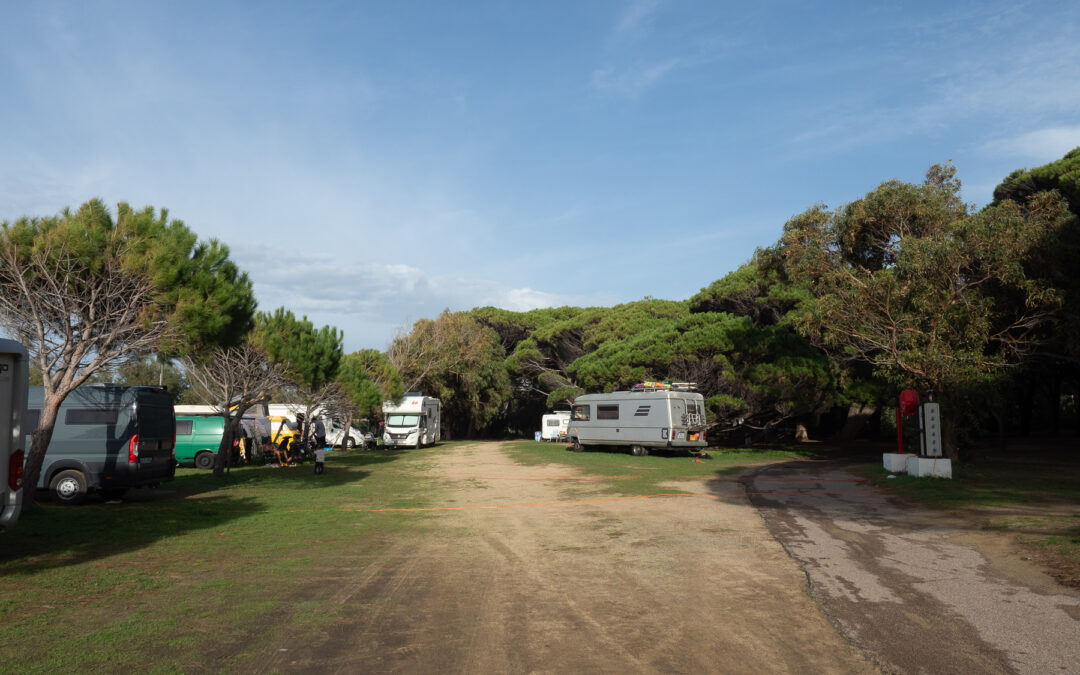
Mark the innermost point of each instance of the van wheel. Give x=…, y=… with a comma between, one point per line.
x=638, y=450
x=575, y=446
x=68, y=487
x=350, y=443
x=204, y=460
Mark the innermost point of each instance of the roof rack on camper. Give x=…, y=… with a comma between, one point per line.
x=649, y=385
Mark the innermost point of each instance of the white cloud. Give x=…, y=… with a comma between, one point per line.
x=636, y=15
x=1041, y=145
x=632, y=81
x=371, y=301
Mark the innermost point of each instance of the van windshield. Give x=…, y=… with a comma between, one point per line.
x=402, y=420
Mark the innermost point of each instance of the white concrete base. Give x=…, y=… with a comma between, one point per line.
x=934, y=467
x=895, y=462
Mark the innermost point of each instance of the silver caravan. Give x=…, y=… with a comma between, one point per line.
x=653, y=415
x=553, y=426
x=414, y=422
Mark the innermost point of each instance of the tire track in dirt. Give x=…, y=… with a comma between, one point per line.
x=657, y=585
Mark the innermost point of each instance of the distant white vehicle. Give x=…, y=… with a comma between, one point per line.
x=553, y=426
x=14, y=381
x=336, y=434
x=654, y=415
x=414, y=422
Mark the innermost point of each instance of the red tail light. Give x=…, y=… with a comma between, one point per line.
x=133, y=449
x=15, y=470
x=174, y=445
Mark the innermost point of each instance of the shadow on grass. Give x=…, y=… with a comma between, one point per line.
x=58, y=536
x=341, y=468
x=51, y=536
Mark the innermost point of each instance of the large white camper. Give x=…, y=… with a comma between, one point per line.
x=553, y=426
x=414, y=422
x=653, y=415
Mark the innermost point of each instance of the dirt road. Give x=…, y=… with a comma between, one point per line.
x=646, y=585
x=919, y=591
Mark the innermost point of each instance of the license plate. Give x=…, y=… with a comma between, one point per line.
x=146, y=460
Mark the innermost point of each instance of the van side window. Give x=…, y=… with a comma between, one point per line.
x=90, y=417
x=581, y=413
x=31, y=420
x=183, y=427
x=607, y=412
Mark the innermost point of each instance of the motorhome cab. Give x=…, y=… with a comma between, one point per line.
x=554, y=425
x=653, y=415
x=414, y=422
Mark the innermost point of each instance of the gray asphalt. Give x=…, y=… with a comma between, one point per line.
x=909, y=587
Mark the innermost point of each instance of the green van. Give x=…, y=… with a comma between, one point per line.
x=197, y=439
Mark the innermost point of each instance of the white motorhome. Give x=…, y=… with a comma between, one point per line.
x=554, y=425
x=414, y=422
x=14, y=379
x=653, y=415
x=336, y=433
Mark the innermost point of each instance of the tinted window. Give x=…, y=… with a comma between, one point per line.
x=580, y=413
x=30, y=421
x=607, y=412
x=90, y=417
x=183, y=427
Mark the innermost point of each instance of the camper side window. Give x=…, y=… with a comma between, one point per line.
x=607, y=412
x=581, y=413
x=552, y=423
x=91, y=417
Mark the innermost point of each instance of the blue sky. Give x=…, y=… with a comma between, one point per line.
x=370, y=164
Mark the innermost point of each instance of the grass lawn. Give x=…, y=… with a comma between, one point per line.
x=191, y=569
x=645, y=475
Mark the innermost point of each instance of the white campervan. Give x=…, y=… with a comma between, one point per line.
x=554, y=425
x=14, y=378
x=654, y=415
x=414, y=422
x=336, y=434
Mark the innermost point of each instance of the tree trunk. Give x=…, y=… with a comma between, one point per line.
x=858, y=416
x=224, y=454
x=39, y=443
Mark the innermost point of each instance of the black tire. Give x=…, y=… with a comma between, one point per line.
x=112, y=494
x=68, y=487
x=575, y=446
x=204, y=460
x=638, y=450
x=349, y=443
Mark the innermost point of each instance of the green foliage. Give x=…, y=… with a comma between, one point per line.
x=198, y=290
x=1062, y=175
x=310, y=356
x=368, y=378
x=459, y=360
x=153, y=369
x=943, y=302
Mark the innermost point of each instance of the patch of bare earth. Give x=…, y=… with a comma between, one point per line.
x=690, y=584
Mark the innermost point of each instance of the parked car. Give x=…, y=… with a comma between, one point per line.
x=107, y=439
x=197, y=439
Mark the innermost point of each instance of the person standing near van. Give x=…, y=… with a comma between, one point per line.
x=319, y=432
